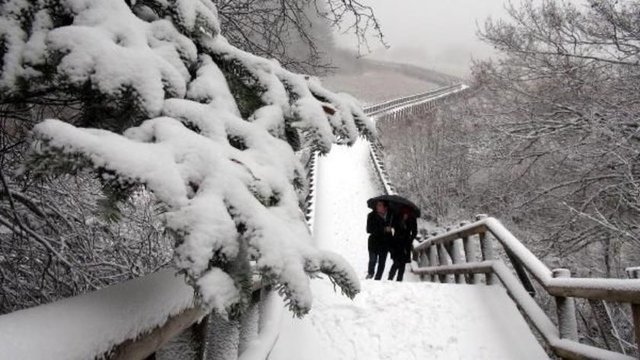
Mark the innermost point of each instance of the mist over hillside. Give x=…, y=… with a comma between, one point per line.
x=374, y=80
x=311, y=47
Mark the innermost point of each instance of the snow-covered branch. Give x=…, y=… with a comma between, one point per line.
x=165, y=102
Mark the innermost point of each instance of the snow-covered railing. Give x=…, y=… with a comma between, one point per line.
x=456, y=256
x=378, y=161
x=424, y=98
x=131, y=320
x=412, y=104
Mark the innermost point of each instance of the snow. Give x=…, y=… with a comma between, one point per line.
x=219, y=287
x=227, y=180
x=87, y=326
x=391, y=320
x=227, y=183
x=113, y=49
x=411, y=320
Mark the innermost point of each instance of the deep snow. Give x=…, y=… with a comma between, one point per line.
x=390, y=320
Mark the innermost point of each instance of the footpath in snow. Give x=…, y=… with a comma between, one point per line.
x=391, y=320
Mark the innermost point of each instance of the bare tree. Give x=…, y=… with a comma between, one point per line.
x=297, y=33
x=553, y=141
x=566, y=98
x=428, y=158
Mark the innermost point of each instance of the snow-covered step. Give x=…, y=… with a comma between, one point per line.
x=409, y=320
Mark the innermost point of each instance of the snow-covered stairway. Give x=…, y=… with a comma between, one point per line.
x=390, y=320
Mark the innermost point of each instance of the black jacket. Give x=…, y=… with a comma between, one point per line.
x=406, y=231
x=379, y=240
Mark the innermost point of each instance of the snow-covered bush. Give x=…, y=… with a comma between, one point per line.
x=164, y=101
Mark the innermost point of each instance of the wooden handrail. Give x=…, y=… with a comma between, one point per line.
x=535, y=314
x=129, y=320
x=564, y=289
x=151, y=341
x=620, y=290
x=143, y=346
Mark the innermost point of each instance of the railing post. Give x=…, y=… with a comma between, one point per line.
x=486, y=247
x=470, y=255
x=423, y=261
x=433, y=258
x=423, y=258
x=446, y=256
x=634, y=273
x=566, y=310
x=442, y=256
x=457, y=251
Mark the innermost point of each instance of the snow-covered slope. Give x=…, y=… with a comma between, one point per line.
x=378, y=85
x=391, y=320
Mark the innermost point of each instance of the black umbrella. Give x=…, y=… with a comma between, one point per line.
x=396, y=203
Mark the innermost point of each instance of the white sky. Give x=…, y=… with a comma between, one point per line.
x=437, y=34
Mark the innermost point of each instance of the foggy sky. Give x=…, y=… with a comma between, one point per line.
x=437, y=34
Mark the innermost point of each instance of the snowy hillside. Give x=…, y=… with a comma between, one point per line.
x=376, y=86
x=374, y=81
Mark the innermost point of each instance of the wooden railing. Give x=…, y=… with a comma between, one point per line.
x=135, y=320
x=208, y=335
x=468, y=255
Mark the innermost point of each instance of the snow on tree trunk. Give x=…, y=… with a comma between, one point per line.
x=169, y=104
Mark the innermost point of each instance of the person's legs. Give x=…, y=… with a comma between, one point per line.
x=392, y=271
x=382, y=259
x=373, y=258
x=401, y=266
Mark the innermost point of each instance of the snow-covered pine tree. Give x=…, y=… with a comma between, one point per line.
x=165, y=102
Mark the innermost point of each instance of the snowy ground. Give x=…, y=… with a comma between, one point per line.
x=391, y=320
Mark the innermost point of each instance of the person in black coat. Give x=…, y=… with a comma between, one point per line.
x=380, y=229
x=406, y=230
